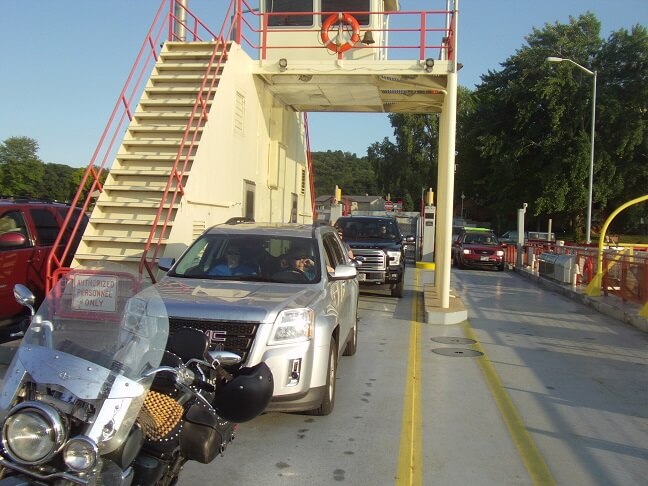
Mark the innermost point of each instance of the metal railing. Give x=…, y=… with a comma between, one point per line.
x=625, y=269
x=424, y=34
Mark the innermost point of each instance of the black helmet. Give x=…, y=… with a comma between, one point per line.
x=245, y=396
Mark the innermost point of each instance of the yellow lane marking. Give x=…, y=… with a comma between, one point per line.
x=533, y=460
x=410, y=459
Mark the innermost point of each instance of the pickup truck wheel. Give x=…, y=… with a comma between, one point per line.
x=397, y=289
x=326, y=407
x=459, y=264
x=352, y=343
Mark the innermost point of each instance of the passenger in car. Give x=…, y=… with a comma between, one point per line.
x=232, y=266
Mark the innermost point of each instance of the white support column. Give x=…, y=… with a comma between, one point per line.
x=447, y=133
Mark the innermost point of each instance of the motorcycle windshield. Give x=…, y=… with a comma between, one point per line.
x=92, y=340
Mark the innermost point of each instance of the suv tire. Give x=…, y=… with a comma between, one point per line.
x=352, y=344
x=397, y=289
x=328, y=402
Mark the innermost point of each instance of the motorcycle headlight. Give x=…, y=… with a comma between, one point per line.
x=32, y=433
x=394, y=257
x=80, y=453
x=292, y=325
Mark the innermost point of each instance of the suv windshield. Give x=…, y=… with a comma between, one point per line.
x=481, y=239
x=357, y=228
x=251, y=257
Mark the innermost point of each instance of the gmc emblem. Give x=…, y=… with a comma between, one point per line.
x=216, y=336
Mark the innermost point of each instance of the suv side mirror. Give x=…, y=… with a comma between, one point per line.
x=12, y=239
x=344, y=272
x=165, y=263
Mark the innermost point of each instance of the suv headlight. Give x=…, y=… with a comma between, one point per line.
x=293, y=325
x=500, y=253
x=394, y=257
x=467, y=251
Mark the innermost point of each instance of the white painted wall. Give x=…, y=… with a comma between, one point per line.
x=240, y=142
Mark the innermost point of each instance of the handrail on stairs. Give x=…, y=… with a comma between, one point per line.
x=161, y=28
x=197, y=118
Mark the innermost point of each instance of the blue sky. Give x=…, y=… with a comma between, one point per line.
x=65, y=62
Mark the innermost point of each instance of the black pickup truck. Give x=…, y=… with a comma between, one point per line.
x=379, y=245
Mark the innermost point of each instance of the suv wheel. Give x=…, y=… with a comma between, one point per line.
x=397, y=289
x=326, y=407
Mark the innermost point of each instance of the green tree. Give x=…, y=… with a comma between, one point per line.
x=21, y=171
x=354, y=175
x=528, y=135
x=622, y=130
x=57, y=183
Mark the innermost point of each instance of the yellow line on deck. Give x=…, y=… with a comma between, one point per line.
x=533, y=460
x=410, y=458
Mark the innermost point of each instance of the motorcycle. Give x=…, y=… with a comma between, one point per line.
x=99, y=392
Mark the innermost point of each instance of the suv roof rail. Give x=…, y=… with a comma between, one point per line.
x=27, y=199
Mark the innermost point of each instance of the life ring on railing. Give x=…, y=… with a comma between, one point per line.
x=343, y=18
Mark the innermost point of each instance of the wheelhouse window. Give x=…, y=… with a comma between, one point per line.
x=289, y=9
x=350, y=6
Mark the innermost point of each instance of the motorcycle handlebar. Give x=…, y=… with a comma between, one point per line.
x=185, y=376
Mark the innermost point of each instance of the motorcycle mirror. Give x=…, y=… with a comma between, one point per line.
x=25, y=297
x=224, y=358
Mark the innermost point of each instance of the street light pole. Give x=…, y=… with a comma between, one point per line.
x=588, y=225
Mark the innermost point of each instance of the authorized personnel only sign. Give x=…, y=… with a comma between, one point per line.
x=95, y=293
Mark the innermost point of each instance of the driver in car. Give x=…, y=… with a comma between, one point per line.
x=298, y=260
x=232, y=266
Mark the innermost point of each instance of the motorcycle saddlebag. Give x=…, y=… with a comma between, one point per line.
x=204, y=434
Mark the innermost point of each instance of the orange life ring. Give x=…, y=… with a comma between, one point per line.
x=344, y=18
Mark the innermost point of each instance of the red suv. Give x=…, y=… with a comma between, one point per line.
x=476, y=247
x=28, y=229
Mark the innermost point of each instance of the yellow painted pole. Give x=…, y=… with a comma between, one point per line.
x=594, y=287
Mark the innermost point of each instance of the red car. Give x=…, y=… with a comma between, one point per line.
x=478, y=248
x=28, y=229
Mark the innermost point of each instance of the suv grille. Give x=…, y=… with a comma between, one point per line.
x=373, y=259
x=234, y=336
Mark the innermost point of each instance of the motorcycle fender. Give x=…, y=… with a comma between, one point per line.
x=204, y=434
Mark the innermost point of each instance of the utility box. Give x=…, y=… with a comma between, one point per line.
x=547, y=265
x=428, y=231
x=556, y=267
x=297, y=30
x=564, y=268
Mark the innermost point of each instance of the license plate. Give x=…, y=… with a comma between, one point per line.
x=484, y=259
x=362, y=276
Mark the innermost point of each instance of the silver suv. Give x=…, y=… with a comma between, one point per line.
x=285, y=294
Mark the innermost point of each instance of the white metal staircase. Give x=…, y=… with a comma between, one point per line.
x=126, y=209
